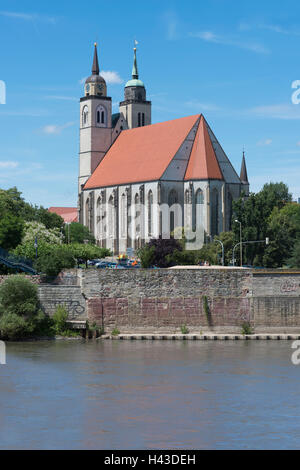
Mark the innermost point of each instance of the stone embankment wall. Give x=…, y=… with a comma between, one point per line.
x=164, y=300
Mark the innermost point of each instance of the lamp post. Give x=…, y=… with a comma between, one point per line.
x=266, y=241
x=222, y=245
x=241, y=243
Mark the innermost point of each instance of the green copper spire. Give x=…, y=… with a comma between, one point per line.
x=135, y=74
x=134, y=82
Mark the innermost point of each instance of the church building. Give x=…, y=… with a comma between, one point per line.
x=139, y=180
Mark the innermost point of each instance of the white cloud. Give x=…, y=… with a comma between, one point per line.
x=270, y=27
x=8, y=164
x=171, y=22
x=276, y=111
x=209, y=36
x=58, y=97
x=298, y=143
x=28, y=16
x=55, y=129
x=265, y=142
x=109, y=76
x=202, y=106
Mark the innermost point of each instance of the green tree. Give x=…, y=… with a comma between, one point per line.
x=86, y=252
x=294, y=260
x=253, y=212
x=11, y=231
x=283, y=230
x=53, y=262
x=77, y=233
x=19, y=296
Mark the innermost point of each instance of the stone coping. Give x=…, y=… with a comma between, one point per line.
x=206, y=337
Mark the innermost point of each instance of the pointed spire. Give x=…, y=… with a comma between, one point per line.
x=135, y=74
x=244, y=175
x=95, y=68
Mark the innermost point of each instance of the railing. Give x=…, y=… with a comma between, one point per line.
x=16, y=262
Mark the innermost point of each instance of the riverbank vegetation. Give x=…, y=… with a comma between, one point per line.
x=21, y=316
x=42, y=238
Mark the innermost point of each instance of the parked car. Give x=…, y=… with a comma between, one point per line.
x=93, y=262
x=102, y=264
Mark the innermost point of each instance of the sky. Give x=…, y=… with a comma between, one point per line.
x=235, y=62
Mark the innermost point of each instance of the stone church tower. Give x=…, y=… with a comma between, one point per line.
x=95, y=123
x=135, y=108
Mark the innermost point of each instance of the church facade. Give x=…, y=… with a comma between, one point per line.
x=139, y=180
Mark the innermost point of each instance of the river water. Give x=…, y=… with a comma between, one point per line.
x=149, y=395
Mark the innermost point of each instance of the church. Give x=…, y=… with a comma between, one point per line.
x=139, y=180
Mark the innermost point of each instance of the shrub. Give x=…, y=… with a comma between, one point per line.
x=13, y=326
x=115, y=332
x=60, y=320
x=184, y=330
x=247, y=329
x=19, y=296
x=52, y=263
x=159, y=252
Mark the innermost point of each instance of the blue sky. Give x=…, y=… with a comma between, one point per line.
x=233, y=61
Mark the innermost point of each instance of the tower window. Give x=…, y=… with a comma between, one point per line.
x=139, y=119
x=143, y=119
x=85, y=115
x=101, y=116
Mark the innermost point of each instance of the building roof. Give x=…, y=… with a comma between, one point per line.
x=203, y=163
x=144, y=153
x=69, y=214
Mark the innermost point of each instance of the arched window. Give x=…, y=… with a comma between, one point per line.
x=123, y=216
x=214, y=212
x=143, y=119
x=101, y=116
x=198, y=209
x=172, y=202
x=110, y=221
x=186, y=208
x=87, y=213
x=137, y=227
x=150, y=213
x=230, y=210
x=85, y=116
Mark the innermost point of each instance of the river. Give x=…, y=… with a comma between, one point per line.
x=149, y=395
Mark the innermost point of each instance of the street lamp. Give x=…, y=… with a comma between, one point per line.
x=241, y=245
x=222, y=245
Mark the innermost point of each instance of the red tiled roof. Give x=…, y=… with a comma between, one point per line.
x=203, y=163
x=69, y=214
x=141, y=154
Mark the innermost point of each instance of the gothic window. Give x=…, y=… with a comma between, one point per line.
x=137, y=226
x=172, y=201
x=87, y=213
x=199, y=201
x=85, y=116
x=229, y=210
x=143, y=119
x=186, y=207
x=150, y=213
x=214, y=212
x=123, y=216
x=101, y=116
x=111, y=217
x=139, y=119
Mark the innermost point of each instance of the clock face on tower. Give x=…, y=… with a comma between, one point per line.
x=100, y=87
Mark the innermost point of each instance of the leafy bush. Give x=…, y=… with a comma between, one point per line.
x=158, y=252
x=247, y=329
x=14, y=327
x=77, y=233
x=33, y=230
x=19, y=296
x=294, y=261
x=184, y=329
x=60, y=319
x=52, y=263
x=115, y=332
